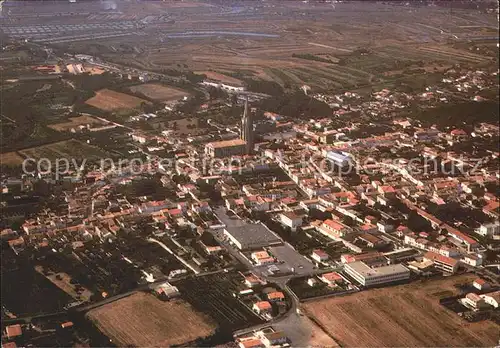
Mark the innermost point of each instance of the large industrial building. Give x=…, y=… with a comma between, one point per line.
x=252, y=236
x=368, y=276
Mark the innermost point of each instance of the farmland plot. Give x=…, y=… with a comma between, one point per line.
x=407, y=315
x=142, y=320
x=109, y=100
x=159, y=92
x=67, y=149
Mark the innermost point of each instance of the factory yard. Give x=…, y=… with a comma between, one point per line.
x=109, y=100
x=74, y=122
x=158, y=92
x=407, y=315
x=142, y=320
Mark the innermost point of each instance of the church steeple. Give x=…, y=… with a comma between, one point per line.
x=247, y=128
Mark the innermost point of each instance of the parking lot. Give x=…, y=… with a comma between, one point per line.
x=289, y=258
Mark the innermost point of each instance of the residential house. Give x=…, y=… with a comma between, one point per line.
x=474, y=260
x=489, y=230
x=251, y=342
x=474, y=301
x=275, y=296
x=331, y=278
x=262, y=307
x=334, y=229
x=319, y=255
x=291, y=220
x=262, y=258
x=274, y=339
x=492, y=298
x=312, y=282
x=252, y=280
x=481, y=284
x=13, y=331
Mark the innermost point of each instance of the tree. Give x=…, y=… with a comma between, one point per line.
x=234, y=100
x=216, y=93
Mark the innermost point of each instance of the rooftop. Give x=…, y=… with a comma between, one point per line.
x=263, y=305
x=253, y=234
x=364, y=270
x=13, y=330
x=253, y=342
x=494, y=295
x=227, y=143
x=332, y=276
x=441, y=258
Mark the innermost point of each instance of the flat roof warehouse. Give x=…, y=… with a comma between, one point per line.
x=252, y=236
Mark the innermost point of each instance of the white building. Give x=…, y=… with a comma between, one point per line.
x=274, y=339
x=139, y=138
x=290, y=219
x=167, y=290
x=492, y=298
x=319, y=255
x=262, y=258
x=312, y=282
x=489, y=230
x=224, y=86
x=339, y=159
x=474, y=301
x=474, y=260
x=441, y=262
x=368, y=276
x=481, y=284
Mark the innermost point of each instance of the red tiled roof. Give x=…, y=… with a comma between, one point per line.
x=334, y=225
x=332, y=276
x=275, y=295
x=254, y=342
x=13, y=330
x=480, y=281
x=262, y=305
x=460, y=235
x=320, y=253
x=9, y=345
x=443, y=259
x=458, y=132
x=173, y=212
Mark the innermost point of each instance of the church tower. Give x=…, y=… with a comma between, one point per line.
x=247, y=129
